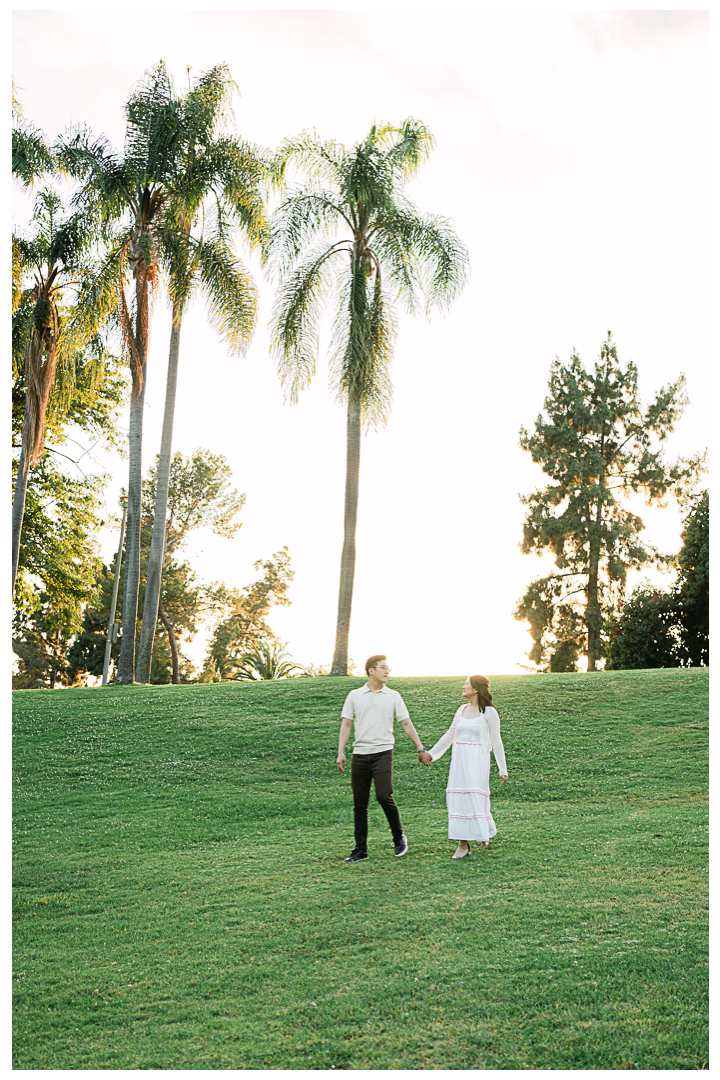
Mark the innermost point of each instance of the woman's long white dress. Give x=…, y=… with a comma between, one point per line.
x=468, y=788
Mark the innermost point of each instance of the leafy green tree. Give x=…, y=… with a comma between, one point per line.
x=219, y=192
x=200, y=495
x=41, y=637
x=86, y=654
x=658, y=628
x=693, y=585
x=268, y=662
x=59, y=556
x=351, y=232
x=188, y=602
x=598, y=446
x=644, y=634
x=243, y=627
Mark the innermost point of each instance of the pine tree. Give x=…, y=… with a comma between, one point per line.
x=598, y=446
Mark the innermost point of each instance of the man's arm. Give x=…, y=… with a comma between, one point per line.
x=345, y=727
x=409, y=729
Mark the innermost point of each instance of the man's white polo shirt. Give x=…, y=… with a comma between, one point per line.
x=373, y=712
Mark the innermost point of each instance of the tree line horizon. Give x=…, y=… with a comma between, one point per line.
x=170, y=209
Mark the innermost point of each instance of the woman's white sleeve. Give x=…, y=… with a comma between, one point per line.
x=498, y=748
x=443, y=742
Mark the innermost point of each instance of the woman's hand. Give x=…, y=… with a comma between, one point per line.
x=503, y=779
x=424, y=757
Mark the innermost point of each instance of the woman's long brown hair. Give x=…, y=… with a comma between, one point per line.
x=481, y=684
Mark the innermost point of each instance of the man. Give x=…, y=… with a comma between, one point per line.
x=373, y=708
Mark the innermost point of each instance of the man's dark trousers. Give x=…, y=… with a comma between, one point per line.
x=365, y=768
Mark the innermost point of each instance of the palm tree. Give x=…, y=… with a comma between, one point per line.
x=31, y=158
x=268, y=662
x=220, y=188
x=351, y=232
x=45, y=332
x=141, y=190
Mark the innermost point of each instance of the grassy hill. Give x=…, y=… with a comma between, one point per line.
x=181, y=901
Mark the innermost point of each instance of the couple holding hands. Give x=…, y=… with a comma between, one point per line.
x=474, y=732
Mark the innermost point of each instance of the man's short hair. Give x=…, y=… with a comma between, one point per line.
x=373, y=662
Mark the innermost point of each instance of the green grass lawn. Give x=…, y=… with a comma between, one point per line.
x=181, y=900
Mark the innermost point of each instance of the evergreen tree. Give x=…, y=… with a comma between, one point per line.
x=693, y=587
x=599, y=446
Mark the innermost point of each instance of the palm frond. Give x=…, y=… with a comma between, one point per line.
x=230, y=293
x=238, y=175
x=408, y=146
x=154, y=127
x=96, y=302
x=394, y=251
x=362, y=347
x=296, y=224
x=322, y=160
x=207, y=106
x=22, y=323
x=31, y=156
x=295, y=321
x=268, y=662
x=422, y=250
x=80, y=156
x=179, y=259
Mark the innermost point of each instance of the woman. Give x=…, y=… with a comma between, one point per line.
x=474, y=732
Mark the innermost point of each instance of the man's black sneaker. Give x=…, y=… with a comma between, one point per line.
x=401, y=846
x=357, y=856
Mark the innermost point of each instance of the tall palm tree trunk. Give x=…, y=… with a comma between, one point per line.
x=173, y=644
x=132, y=542
x=157, y=544
x=18, y=510
x=347, y=561
x=39, y=379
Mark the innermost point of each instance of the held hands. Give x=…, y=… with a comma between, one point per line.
x=341, y=762
x=424, y=757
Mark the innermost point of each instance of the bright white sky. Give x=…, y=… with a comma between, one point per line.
x=571, y=159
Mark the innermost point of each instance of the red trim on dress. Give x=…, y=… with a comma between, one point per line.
x=466, y=791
